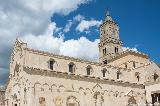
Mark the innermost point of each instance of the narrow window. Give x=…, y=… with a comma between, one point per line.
x=25, y=95
x=134, y=64
x=71, y=67
x=138, y=78
x=88, y=71
x=116, y=50
x=104, y=73
x=118, y=75
x=104, y=51
x=126, y=65
x=51, y=64
x=137, y=75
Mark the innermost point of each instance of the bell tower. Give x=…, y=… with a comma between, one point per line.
x=110, y=44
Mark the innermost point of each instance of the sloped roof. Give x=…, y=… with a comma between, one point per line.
x=127, y=52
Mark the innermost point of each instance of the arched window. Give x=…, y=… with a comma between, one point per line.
x=137, y=75
x=118, y=74
x=138, y=78
x=89, y=70
x=71, y=67
x=104, y=51
x=134, y=64
x=104, y=72
x=51, y=64
x=125, y=65
x=155, y=76
x=116, y=49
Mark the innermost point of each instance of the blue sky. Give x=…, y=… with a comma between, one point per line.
x=138, y=20
x=71, y=27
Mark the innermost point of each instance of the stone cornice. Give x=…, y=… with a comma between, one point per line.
x=65, y=75
x=72, y=59
x=127, y=52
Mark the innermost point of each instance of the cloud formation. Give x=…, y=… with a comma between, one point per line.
x=68, y=26
x=28, y=18
x=73, y=48
x=84, y=25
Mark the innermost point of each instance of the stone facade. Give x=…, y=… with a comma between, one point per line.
x=120, y=78
x=110, y=44
x=2, y=96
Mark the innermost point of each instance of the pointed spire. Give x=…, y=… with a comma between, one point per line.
x=108, y=17
x=107, y=13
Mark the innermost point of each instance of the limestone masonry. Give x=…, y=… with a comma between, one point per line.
x=2, y=96
x=120, y=78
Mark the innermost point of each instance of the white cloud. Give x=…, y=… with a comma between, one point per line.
x=78, y=17
x=81, y=48
x=68, y=26
x=84, y=25
x=29, y=18
x=73, y=48
x=128, y=48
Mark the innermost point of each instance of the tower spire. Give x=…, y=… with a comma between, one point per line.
x=110, y=44
x=107, y=13
x=108, y=17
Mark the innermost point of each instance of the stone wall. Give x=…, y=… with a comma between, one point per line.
x=38, y=87
x=32, y=82
x=41, y=60
x=2, y=97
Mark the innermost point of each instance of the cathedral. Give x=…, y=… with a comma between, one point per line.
x=120, y=78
